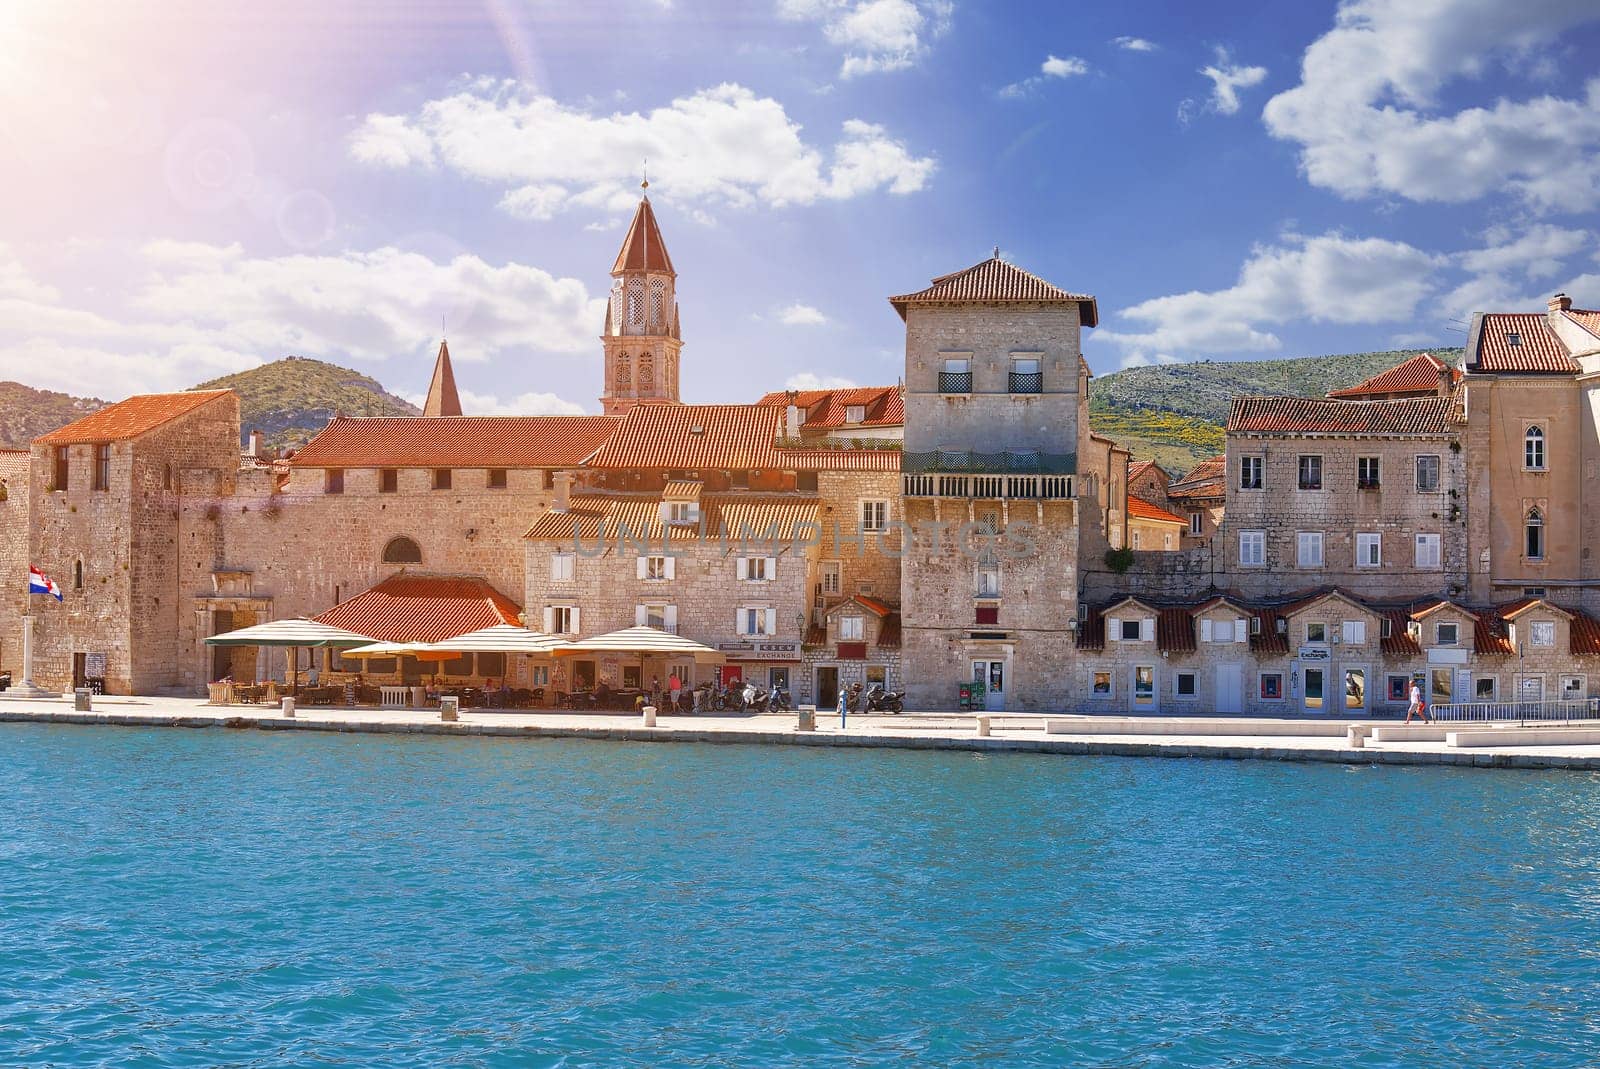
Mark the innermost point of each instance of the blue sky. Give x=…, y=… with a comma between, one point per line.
x=215, y=185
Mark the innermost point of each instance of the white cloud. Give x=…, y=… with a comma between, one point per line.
x=1139, y=358
x=1227, y=78
x=876, y=35
x=1053, y=67
x=1134, y=44
x=527, y=404
x=203, y=310
x=723, y=145
x=1367, y=119
x=801, y=315
x=1327, y=279
x=808, y=381
x=1505, y=271
x=1414, y=339
x=388, y=140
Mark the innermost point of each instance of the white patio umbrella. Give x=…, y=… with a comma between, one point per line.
x=290, y=634
x=645, y=641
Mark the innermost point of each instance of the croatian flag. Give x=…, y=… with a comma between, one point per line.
x=40, y=583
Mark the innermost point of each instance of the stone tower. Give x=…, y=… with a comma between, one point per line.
x=642, y=338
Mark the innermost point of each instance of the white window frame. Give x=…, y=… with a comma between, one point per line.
x=680, y=512
x=1197, y=523
x=757, y=569
x=563, y=566
x=1439, y=633
x=1256, y=542
x=852, y=628
x=1548, y=628
x=754, y=621
x=667, y=614
x=1111, y=684
x=1133, y=539
x=1535, y=448
x=1194, y=676
x=831, y=575
x=1353, y=632
x=1299, y=468
x=656, y=569
x=1494, y=689
x=1583, y=687
x=874, y=513
x=1374, y=478
x=1373, y=541
x=562, y=620
x=1305, y=539
x=1428, y=550
x=1256, y=466
x=1322, y=640
x=988, y=580
x=1438, y=473
x=855, y=413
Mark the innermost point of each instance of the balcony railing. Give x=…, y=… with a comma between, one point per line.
x=955, y=382
x=1018, y=475
x=1027, y=382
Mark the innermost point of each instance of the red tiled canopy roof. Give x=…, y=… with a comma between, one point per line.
x=423, y=608
x=131, y=418
x=1305, y=415
x=456, y=441
x=1538, y=350
x=824, y=409
x=1139, y=508
x=995, y=280
x=1419, y=375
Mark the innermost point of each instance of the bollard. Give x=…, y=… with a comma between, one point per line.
x=449, y=707
x=82, y=700
x=288, y=707
x=807, y=719
x=1356, y=735
x=983, y=726
x=649, y=716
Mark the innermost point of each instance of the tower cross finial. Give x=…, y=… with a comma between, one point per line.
x=997, y=252
x=646, y=173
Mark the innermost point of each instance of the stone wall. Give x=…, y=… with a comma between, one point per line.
x=15, y=524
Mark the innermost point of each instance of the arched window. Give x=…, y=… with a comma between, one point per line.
x=402, y=550
x=624, y=373
x=1535, y=533
x=1533, y=449
x=647, y=374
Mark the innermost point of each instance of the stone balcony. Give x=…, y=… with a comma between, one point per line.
x=1009, y=476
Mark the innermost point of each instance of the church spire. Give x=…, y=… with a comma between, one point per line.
x=643, y=249
x=642, y=337
x=442, y=397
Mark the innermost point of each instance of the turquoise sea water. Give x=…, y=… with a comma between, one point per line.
x=209, y=898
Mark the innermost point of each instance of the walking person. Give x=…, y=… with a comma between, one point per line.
x=1417, y=706
x=674, y=687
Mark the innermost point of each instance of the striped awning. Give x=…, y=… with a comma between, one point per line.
x=647, y=641
x=295, y=633
x=502, y=638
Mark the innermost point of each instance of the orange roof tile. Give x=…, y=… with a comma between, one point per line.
x=423, y=608
x=885, y=406
x=1138, y=468
x=726, y=437
x=1588, y=320
x=995, y=280
x=1398, y=642
x=1419, y=375
x=840, y=459
x=131, y=418
x=615, y=518
x=1519, y=343
x=1305, y=415
x=1139, y=508
x=643, y=249
x=456, y=441
x=1204, y=480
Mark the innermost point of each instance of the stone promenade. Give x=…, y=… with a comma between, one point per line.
x=1246, y=739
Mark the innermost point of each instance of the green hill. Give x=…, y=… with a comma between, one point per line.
x=1174, y=414
x=26, y=413
x=292, y=399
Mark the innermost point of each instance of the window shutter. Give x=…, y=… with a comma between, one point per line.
x=577, y=628
x=638, y=616
x=772, y=567
x=1113, y=629
x=642, y=565
x=1205, y=630
x=672, y=567
x=1147, y=630
x=743, y=567
x=739, y=627
x=1241, y=631
x=549, y=619
x=772, y=621
x=672, y=618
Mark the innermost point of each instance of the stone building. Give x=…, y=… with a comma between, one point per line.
x=864, y=415
x=1423, y=375
x=1005, y=488
x=15, y=523
x=1148, y=481
x=1201, y=494
x=1151, y=527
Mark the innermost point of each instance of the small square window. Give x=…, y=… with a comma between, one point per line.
x=1484, y=688
x=497, y=479
x=1316, y=632
x=1399, y=688
x=1130, y=630
x=874, y=515
x=441, y=478
x=1101, y=686
x=1367, y=473
x=388, y=480
x=1187, y=685
x=851, y=628
x=1542, y=633
x=855, y=413
x=1447, y=634
x=1272, y=686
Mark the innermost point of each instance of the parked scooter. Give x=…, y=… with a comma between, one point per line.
x=755, y=699
x=780, y=702
x=882, y=701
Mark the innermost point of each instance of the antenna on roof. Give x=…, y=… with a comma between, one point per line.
x=997, y=252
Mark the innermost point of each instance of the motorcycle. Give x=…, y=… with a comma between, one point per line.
x=882, y=701
x=754, y=698
x=5, y=680
x=781, y=702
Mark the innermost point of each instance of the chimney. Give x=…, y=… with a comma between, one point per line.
x=563, y=486
x=255, y=443
x=1560, y=303
x=791, y=422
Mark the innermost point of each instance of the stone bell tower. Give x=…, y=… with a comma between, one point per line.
x=641, y=337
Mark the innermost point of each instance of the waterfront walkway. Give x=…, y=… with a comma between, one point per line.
x=1245, y=738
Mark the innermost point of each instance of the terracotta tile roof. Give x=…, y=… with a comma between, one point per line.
x=591, y=517
x=723, y=437
x=1092, y=635
x=1538, y=350
x=1490, y=636
x=996, y=280
x=889, y=632
x=1204, y=480
x=131, y=418
x=873, y=605
x=643, y=249
x=1270, y=641
x=1175, y=631
x=456, y=442
x=840, y=459
x=1139, y=508
x=1398, y=643
x=1419, y=375
x=1585, y=640
x=423, y=608
x=1586, y=319
x=1305, y=415
x=682, y=490
x=826, y=409
x=1138, y=468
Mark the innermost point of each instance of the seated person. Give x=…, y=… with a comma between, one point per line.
x=491, y=693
